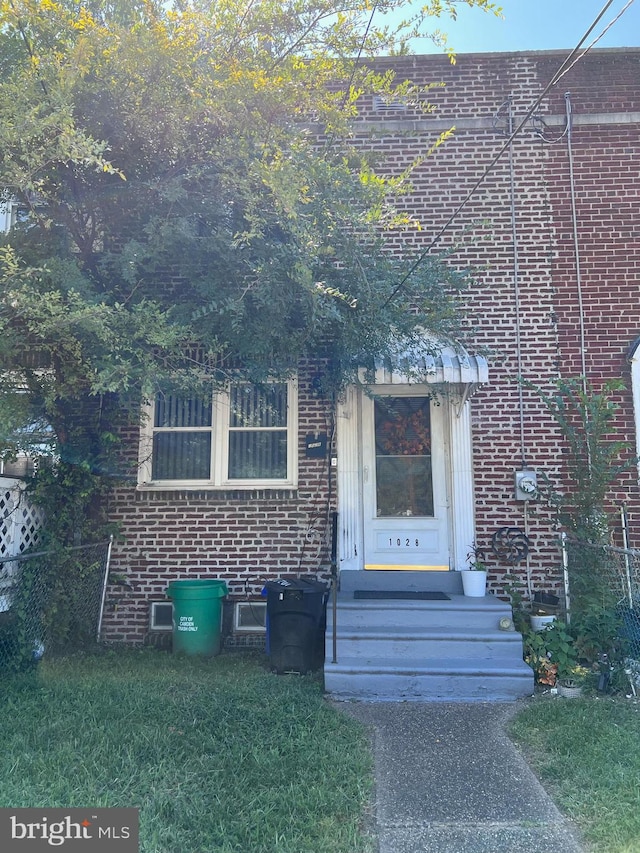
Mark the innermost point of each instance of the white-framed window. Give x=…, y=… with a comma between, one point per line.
x=244, y=437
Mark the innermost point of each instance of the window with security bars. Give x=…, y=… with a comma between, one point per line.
x=182, y=437
x=244, y=436
x=258, y=432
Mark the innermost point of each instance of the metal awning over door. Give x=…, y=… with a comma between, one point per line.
x=446, y=366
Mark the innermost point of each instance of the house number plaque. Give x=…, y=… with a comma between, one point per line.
x=404, y=542
x=425, y=540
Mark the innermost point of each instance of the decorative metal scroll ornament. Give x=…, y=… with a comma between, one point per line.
x=510, y=545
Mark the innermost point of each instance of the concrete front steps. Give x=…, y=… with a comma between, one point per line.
x=390, y=649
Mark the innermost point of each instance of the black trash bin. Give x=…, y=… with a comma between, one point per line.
x=296, y=619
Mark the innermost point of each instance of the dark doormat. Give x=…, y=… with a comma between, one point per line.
x=420, y=595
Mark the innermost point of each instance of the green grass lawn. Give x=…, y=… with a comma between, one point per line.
x=587, y=753
x=218, y=755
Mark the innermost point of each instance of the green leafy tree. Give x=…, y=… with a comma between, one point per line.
x=186, y=184
x=596, y=456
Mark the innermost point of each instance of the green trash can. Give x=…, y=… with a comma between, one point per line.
x=197, y=616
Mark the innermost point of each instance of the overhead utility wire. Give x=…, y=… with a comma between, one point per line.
x=363, y=42
x=559, y=73
x=596, y=40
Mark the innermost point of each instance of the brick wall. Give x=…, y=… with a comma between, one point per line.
x=527, y=309
x=606, y=189
x=242, y=537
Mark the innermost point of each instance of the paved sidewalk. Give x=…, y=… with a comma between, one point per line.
x=448, y=780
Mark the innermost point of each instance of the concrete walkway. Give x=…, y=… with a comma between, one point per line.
x=448, y=780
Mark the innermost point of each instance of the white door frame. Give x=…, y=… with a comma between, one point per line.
x=420, y=543
x=457, y=427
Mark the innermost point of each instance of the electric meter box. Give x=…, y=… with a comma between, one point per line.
x=526, y=485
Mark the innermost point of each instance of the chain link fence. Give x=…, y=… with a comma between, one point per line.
x=51, y=600
x=603, y=597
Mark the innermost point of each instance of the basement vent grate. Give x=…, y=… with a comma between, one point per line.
x=251, y=616
x=160, y=616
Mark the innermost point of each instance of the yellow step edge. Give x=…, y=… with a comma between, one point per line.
x=377, y=567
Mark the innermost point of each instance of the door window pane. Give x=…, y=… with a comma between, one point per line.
x=404, y=484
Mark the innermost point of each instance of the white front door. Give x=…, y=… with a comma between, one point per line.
x=405, y=494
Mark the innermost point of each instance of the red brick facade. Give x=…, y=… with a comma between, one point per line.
x=530, y=309
x=242, y=537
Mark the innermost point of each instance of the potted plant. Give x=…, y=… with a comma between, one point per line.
x=474, y=577
x=544, y=610
x=571, y=681
x=540, y=621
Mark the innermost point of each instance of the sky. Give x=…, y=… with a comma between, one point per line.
x=537, y=25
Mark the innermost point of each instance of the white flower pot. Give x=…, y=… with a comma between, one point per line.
x=539, y=623
x=474, y=583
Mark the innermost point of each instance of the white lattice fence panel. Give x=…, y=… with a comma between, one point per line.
x=20, y=524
